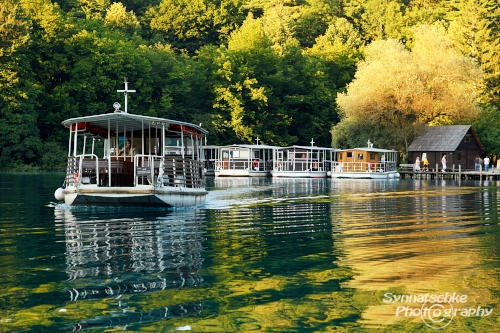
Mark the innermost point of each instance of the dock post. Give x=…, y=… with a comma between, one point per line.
x=480, y=173
x=437, y=171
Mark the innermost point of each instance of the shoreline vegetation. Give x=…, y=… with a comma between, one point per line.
x=283, y=71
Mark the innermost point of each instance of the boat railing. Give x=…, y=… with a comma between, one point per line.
x=243, y=164
x=88, y=169
x=364, y=166
x=173, y=171
x=82, y=169
x=302, y=165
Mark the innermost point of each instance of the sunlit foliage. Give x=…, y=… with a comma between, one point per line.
x=244, y=68
x=432, y=83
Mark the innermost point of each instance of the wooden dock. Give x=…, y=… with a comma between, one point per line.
x=407, y=171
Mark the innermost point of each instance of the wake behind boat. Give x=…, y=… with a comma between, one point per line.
x=132, y=160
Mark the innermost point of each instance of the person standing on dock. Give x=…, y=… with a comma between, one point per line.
x=476, y=163
x=486, y=163
x=426, y=163
x=417, y=164
x=443, y=163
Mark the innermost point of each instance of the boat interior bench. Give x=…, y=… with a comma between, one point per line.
x=122, y=172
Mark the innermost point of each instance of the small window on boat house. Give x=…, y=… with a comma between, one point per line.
x=467, y=138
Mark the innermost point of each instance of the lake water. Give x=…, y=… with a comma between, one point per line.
x=262, y=255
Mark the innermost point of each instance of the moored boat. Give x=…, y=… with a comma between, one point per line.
x=125, y=159
x=210, y=156
x=368, y=162
x=303, y=162
x=244, y=160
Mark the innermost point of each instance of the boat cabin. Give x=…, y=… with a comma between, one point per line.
x=244, y=160
x=303, y=161
x=367, y=159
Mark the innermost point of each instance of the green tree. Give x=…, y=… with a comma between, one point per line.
x=341, y=48
x=475, y=30
x=487, y=127
x=377, y=19
x=190, y=24
x=19, y=136
x=94, y=9
x=117, y=17
x=266, y=86
x=241, y=95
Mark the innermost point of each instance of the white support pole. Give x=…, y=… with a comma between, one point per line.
x=75, y=139
x=69, y=142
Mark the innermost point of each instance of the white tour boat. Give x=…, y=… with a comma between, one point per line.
x=119, y=158
x=368, y=163
x=303, y=161
x=244, y=160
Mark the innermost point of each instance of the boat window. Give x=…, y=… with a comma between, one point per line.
x=235, y=154
x=372, y=157
x=172, y=142
x=349, y=155
x=360, y=156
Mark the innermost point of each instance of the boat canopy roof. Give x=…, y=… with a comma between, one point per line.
x=132, y=122
x=249, y=146
x=373, y=150
x=308, y=148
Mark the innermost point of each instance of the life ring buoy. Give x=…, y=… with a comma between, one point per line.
x=75, y=179
x=255, y=164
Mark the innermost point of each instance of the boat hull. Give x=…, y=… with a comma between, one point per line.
x=299, y=174
x=241, y=173
x=366, y=175
x=134, y=196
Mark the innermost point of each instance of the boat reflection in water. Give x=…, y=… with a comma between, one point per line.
x=131, y=254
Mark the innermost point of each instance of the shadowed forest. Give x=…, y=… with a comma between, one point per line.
x=340, y=72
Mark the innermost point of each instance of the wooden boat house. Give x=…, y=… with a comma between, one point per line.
x=459, y=142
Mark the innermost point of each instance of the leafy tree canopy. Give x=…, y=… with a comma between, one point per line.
x=432, y=83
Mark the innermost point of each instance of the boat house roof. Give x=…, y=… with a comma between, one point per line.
x=442, y=138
